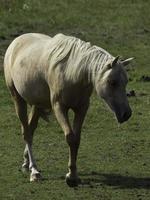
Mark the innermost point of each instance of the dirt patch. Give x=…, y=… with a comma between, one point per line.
x=131, y=93
x=145, y=78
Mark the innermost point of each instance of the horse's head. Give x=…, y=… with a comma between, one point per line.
x=111, y=86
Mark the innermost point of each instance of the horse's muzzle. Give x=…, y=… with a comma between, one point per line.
x=124, y=116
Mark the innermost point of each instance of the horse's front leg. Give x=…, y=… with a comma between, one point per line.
x=72, y=138
x=74, y=146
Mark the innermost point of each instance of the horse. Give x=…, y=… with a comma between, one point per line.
x=57, y=74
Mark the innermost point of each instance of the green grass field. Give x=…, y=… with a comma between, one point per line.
x=113, y=161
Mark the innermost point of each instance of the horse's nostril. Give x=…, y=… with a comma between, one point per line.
x=126, y=115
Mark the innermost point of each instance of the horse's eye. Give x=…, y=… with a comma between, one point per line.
x=113, y=83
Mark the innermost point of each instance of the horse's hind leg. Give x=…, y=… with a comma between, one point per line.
x=32, y=123
x=21, y=110
x=28, y=157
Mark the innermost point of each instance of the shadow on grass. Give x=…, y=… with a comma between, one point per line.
x=116, y=180
x=95, y=179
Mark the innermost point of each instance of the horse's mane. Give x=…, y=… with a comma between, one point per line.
x=79, y=56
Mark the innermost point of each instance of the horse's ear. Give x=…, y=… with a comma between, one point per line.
x=115, y=61
x=127, y=61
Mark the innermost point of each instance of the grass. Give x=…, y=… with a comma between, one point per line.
x=113, y=161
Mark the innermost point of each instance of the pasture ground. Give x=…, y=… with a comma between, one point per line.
x=114, y=161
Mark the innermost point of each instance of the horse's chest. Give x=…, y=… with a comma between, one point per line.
x=76, y=95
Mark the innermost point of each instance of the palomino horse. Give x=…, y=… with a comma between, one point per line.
x=59, y=74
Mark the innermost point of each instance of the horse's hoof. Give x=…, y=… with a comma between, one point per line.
x=35, y=177
x=72, y=181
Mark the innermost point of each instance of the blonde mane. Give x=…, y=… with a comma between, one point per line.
x=80, y=57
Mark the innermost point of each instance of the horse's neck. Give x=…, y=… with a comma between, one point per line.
x=97, y=62
x=84, y=61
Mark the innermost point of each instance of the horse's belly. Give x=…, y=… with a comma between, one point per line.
x=34, y=91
